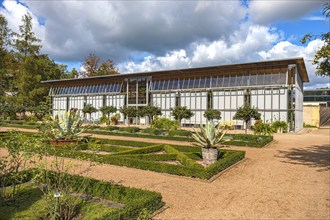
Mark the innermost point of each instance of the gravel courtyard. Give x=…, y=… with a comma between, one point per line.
x=289, y=179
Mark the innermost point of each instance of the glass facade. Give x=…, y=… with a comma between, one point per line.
x=88, y=89
x=220, y=82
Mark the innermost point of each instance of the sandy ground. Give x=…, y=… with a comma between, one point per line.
x=290, y=179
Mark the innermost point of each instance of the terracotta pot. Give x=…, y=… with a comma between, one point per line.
x=55, y=142
x=210, y=155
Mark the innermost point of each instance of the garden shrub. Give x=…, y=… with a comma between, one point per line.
x=279, y=126
x=153, y=131
x=112, y=128
x=144, y=150
x=165, y=124
x=263, y=129
x=104, y=119
x=130, y=129
x=31, y=118
x=181, y=133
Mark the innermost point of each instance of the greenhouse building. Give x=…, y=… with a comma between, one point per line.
x=274, y=87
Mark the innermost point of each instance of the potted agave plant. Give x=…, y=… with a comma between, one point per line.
x=209, y=138
x=66, y=128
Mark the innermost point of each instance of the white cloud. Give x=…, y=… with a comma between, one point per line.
x=115, y=29
x=173, y=34
x=13, y=11
x=271, y=11
x=255, y=46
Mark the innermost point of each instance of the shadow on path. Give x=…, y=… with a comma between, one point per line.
x=312, y=156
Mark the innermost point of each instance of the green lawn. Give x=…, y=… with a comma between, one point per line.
x=30, y=203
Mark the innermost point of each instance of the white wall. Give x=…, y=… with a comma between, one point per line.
x=97, y=102
x=116, y=101
x=271, y=103
x=59, y=105
x=228, y=102
x=165, y=101
x=197, y=103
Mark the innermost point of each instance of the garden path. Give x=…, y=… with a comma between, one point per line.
x=288, y=179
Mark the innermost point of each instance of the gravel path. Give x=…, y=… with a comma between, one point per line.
x=290, y=179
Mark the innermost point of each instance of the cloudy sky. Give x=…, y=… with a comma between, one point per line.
x=153, y=35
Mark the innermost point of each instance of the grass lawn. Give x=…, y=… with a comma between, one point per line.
x=30, y=203
x=95, y=199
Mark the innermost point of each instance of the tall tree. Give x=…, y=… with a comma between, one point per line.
x=7, y=62
x=5, y=33
x=91, y=65
x=322, y=56
x=26, y=43
x=94, y=67
x=107, y=68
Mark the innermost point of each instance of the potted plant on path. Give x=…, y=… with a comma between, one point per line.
x=209, y=138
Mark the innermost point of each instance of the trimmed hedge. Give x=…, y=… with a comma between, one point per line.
x=142, y=159
x=144, y=150
x=182, y=158
x=138, y=135
x=246, y=140
x=189, y=168
x=134, y=200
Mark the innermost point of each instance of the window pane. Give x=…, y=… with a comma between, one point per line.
x=268, y=79
x=253, y=80
x=225, y=81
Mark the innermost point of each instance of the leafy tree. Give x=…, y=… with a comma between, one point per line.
x=211, y=114
x=128, y=111
x=33, y=70
x=93, y=67
x=42, y=109
x=322, y=56
x=107, y=68
x=7, y=62
x=151, y=111
x=180, y=113
x=74, y=73
x=89, y=109
x=246, y=113
x=107, y=110
x=5, y=33
x=26, y=43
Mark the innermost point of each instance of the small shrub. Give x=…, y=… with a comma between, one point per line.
x=31, y=118
x=165, y=124
x=280, y=126
x=182, y=133
x=263, y=129
x=115, y=119
x=130, y=129
x=112, y=128
x=153, y=131
x=104, y=119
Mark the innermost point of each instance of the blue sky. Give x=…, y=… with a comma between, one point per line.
x=153, y=35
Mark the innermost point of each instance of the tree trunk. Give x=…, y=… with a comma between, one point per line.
x=245, y=124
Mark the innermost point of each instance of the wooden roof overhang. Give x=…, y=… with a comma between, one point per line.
x=263, y=67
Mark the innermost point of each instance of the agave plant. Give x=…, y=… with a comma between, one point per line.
x=68, y=125
x=210, y=135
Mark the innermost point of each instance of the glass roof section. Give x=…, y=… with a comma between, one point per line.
x=86, y=89
x=220, y=82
